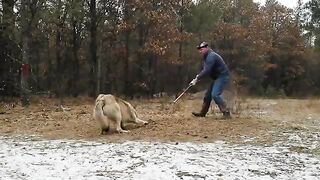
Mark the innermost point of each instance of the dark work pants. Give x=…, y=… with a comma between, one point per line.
x=215, y=90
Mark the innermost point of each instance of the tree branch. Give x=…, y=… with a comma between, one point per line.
x=14, y=59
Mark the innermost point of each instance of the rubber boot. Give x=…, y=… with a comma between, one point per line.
x=204, y=110
x=225, y=111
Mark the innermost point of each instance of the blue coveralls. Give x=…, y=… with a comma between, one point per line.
x=215, y=67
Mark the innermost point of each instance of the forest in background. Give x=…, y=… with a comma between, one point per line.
x=140, y=48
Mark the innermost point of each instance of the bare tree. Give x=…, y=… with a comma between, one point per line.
x=26, y=35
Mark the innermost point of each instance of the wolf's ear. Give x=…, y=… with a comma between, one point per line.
x=99, y=96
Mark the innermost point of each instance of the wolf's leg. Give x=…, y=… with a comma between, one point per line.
x=118, y=119
x=135, y=116
x=139, y=121
x=104, y=130
x=98, y=114
x=129, y=125
x=119, y=129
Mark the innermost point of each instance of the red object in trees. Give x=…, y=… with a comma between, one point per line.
x=25, y=70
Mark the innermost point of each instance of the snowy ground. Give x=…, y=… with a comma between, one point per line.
x=35, y=158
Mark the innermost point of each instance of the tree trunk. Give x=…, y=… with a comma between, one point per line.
x=58, y=66
x=8, y=16
x=180, y=66
x=26, y=35
x=76, y=64
x=153, y=68
x=93, y=50
x=99, y=80
x=50, y=71
x=126, y=66
x=140, y=55
x=127, y=84
x=7, y=77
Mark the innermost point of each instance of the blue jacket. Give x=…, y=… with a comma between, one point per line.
x=213, y=65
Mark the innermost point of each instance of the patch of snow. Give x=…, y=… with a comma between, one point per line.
x=34, y=158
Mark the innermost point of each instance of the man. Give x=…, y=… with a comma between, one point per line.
x=215, y=67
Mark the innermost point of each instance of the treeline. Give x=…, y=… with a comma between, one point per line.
x=133, y=47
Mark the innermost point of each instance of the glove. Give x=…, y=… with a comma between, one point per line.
x=193, y=82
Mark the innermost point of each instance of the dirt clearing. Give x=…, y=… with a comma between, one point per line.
x=256, y=120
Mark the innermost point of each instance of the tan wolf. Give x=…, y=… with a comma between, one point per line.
x=115, y=114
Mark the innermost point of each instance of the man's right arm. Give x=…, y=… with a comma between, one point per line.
x=207, y=66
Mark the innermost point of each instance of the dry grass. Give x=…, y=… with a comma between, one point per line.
x=168, y=121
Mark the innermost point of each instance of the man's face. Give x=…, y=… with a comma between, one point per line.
x=203, y=50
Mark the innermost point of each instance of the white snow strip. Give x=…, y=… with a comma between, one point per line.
x=33, y=158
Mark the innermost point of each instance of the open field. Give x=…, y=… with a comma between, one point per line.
x=265, y=139
x=261, y=120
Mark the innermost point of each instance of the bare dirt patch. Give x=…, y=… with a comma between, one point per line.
x=257, y=120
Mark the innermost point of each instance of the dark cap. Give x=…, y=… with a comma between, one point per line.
x=202, y=45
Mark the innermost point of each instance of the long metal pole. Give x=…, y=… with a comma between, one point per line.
x=182, y=93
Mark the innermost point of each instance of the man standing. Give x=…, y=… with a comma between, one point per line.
x=216, y=68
